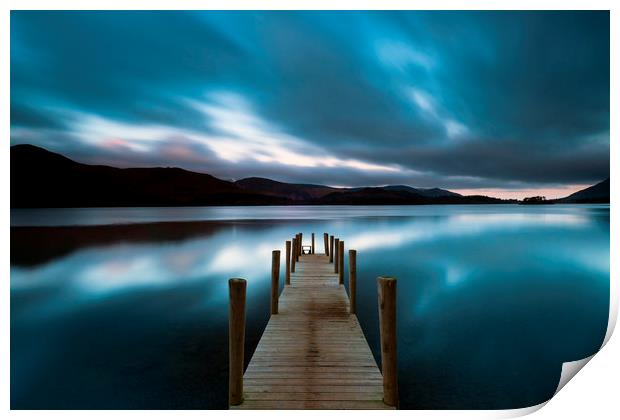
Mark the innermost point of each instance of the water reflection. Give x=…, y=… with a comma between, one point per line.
x=492, y=299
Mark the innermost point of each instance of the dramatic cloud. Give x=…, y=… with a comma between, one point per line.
x=464, y=100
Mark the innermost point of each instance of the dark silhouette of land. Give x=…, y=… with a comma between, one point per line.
x=40, y=178
x=598, y=193
x=538, y=199
x=385, y=195
x=325, y=194
x=293, y=192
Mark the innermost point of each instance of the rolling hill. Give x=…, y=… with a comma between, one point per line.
x=599, y=193
x=40, y=178
x=298, y=192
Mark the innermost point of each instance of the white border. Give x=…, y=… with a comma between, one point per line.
x=594, y=394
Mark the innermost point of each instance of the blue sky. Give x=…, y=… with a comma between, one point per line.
x=508, y=103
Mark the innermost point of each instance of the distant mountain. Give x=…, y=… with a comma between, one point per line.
x=300, y=192
x=424, y=192
x=309, y=192
x=383, y=195
x=373, y=195
x=598, y=193
x=40, y=178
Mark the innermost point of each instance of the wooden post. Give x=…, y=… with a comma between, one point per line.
x=236, y=338
x=352, y=280
x=326, y=243
x=331, y=248
x=301, y=243
x=386, y=287
x=341, y=263
x=298, y=247
x=312, y=245
x=336, y=251
x=293, y=257
x=275, y=280
x=287, y=278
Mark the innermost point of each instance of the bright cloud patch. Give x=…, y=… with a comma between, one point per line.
x=237, y=135
x=401, y=55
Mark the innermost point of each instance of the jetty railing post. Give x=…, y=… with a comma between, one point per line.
x=312, y=245
x=236, y=338
x=352, y=280
x=275, y=280
x=301, y=243
x=336, y=252
x=341, y=262
x=293, y=252
x=386, y=288
x=331, y=248
x=287, y=276
x=326, y=243
x=298, y=247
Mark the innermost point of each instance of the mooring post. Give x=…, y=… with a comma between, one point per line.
x=352, y=280
x=294, y=251
x=331, y=248
x=287, y=276
x=301, y=243
x=326, y=243
x=386, y=288
x=275, y=280
x=236, y=338
x=341, y=262
x=312, y=246
x=336, y=251
x=297, y=250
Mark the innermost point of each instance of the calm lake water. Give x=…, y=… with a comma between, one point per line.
x=491, y=299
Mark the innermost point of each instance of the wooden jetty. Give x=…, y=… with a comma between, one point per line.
x=313, y=353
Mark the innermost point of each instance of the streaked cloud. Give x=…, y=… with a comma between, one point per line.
x=495, y=101
x=400, y=55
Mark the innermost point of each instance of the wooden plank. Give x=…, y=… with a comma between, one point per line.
x=268, y=368
x=312, y=405
x=314, y=388
x=315, y=381
x=314, y=396
x=332, y=374
x=313, y=353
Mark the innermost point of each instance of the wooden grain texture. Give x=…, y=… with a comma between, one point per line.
x=275, y=280
x=313, y=353
x=326, y=244
x=287, y=278
x=353, y=281
x=341, y=262
x=293, y=255
x=386, y=291
x=337, y=254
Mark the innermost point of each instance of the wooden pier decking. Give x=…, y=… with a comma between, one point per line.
x=313, y=353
